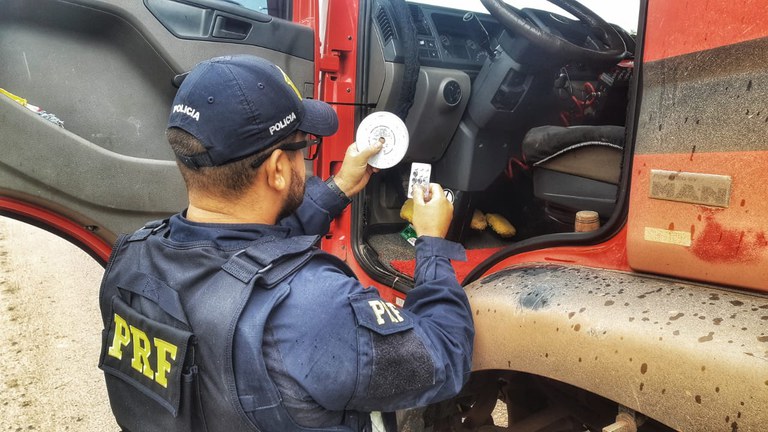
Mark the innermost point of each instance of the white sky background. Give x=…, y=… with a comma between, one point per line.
x=621, y=12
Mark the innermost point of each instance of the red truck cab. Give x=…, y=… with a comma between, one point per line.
x=656, y=320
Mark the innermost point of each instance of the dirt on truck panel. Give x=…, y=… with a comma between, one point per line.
x=669, y=348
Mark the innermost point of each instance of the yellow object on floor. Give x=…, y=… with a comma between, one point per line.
x=478, y=222
x=500, y=225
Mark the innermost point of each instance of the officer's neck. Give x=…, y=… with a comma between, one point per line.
x=247, y=210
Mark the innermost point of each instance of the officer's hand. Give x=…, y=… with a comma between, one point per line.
x=355, y=171
x=431, y=215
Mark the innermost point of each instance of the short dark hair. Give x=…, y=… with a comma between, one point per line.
x=228, y=180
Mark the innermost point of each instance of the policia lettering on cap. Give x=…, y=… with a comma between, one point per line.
x=226, y=317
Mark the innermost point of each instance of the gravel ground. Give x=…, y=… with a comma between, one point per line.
x=49, y=335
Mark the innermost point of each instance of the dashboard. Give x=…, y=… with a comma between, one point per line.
x=446, y=40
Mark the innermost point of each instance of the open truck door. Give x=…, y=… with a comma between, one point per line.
x=106, y=69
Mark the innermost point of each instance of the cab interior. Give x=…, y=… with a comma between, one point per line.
x=531, y=130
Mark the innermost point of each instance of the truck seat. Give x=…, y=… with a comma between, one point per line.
x=575, y=168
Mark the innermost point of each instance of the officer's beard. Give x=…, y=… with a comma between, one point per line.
x=295, y=196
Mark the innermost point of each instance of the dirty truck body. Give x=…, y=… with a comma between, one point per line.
x=658, y=320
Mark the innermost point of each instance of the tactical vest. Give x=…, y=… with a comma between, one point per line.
x=170, y=312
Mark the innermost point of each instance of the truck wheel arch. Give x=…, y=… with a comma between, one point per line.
x=690, y=356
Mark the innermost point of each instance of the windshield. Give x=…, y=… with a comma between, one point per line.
x=622, y=13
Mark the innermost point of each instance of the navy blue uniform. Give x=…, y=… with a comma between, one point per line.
x=334, y=345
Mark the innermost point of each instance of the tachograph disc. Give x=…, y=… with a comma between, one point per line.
x=387, y=128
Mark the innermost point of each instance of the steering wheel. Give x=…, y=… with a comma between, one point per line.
x=613, y=49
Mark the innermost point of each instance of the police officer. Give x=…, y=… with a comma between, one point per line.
x=226, y=316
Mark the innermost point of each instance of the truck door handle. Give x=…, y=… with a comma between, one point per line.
x=230, y=28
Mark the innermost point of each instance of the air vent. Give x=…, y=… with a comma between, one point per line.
x=387, y=32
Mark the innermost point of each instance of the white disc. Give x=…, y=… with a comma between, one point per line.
x=387, y=128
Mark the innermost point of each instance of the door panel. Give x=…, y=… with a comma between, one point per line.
x=215, y=19
x=105, y=69
x=698, y=207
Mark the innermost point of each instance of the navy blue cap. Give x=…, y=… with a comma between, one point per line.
x=239, y=105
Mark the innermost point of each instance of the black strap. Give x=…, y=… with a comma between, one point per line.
x=331, y=183
x=196, y=161
x=271, y=260
x=148, y=229
x=157, y=291
x=411, y=62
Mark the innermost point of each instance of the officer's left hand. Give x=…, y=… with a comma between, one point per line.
x=355, y=171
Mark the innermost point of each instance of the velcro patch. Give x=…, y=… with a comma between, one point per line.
x=146, y=354
x=378, y=315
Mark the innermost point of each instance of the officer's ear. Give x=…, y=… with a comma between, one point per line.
x=277, y=169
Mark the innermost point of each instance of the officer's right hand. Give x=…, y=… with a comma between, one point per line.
x=355, y=171
x=431, y=215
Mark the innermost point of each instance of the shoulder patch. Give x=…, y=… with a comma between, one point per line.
x=380, y=316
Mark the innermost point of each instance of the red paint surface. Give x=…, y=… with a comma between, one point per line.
x=87, y=239
x=719, y=244
x=336, y=67
x=462, y=268
x=305, y=13
x=729, y=245
x=337, y=82
x=611, y=255
x=676, y=27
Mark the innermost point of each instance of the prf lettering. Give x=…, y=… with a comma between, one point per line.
x=381, y=308
x=126, y=334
